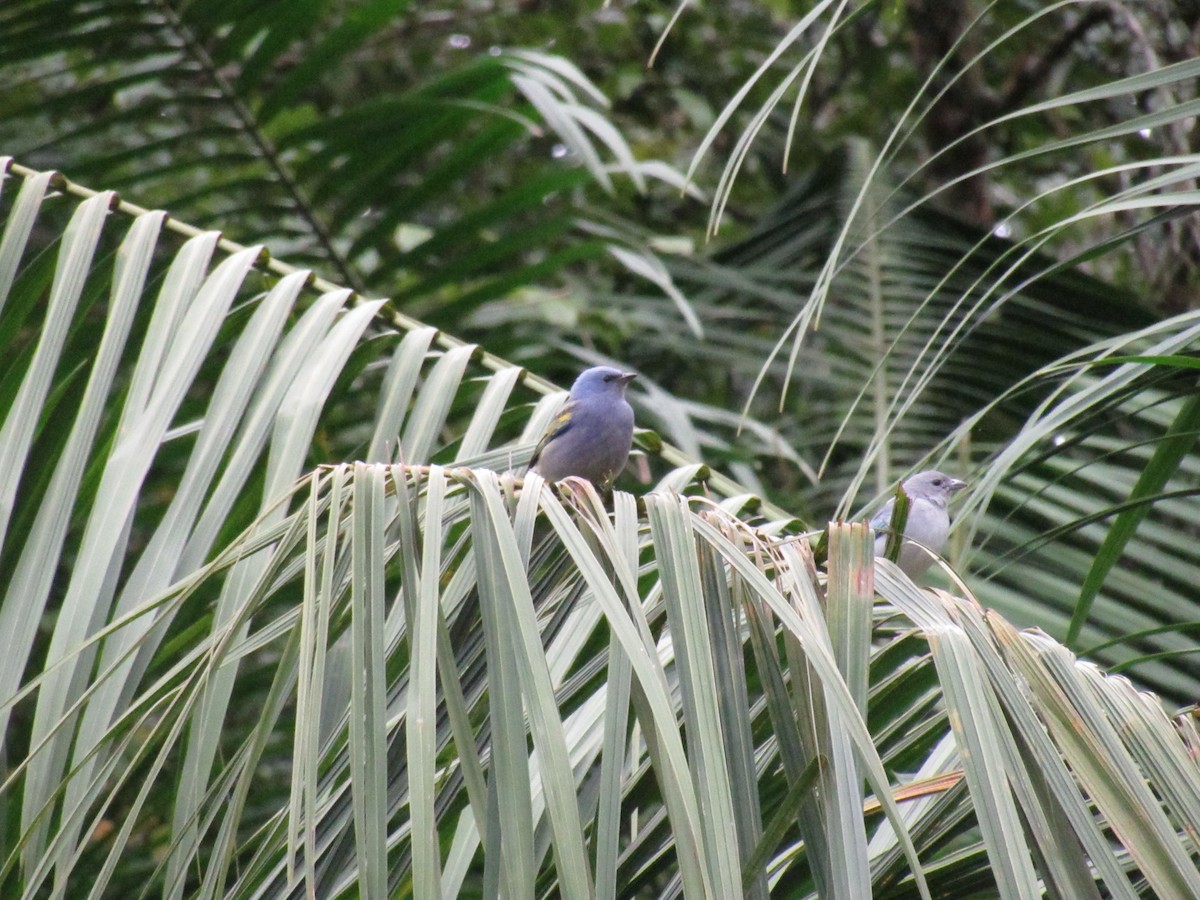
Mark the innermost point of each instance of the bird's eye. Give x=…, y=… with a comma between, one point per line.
x=937, y=482
x=609, y=377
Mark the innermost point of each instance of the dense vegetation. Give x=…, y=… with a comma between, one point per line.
x=274, y=624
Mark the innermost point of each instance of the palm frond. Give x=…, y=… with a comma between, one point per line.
x=335, y=679
x=227, y=114
x=941, y=344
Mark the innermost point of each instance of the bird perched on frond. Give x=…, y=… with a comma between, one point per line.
x=928, y=521
x=592, y=434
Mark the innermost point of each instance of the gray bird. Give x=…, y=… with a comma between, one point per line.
x=928, y=522
x=592, y=434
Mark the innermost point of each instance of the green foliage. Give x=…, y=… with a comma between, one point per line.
x=238, y=665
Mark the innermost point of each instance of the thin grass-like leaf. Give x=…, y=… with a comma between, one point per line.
x=1175, y=445
x=400, y=382
x=421, y=716
x=368, y=726
x=19, y=224
x=691, y=639
x=545, y=723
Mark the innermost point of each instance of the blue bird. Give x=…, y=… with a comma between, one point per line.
x=928, y=521
x=592, y=435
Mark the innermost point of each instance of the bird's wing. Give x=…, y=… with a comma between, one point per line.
x=558, y=426
x=883, y=518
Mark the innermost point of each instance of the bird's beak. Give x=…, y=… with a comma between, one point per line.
x=626, y=377
x=956, y=485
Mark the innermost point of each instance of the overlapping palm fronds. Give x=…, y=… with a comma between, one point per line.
x=238, y=665
x=256, y=674
x=903, y=337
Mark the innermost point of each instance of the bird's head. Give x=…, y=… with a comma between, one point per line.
x=600, y=381
x=933, y=486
